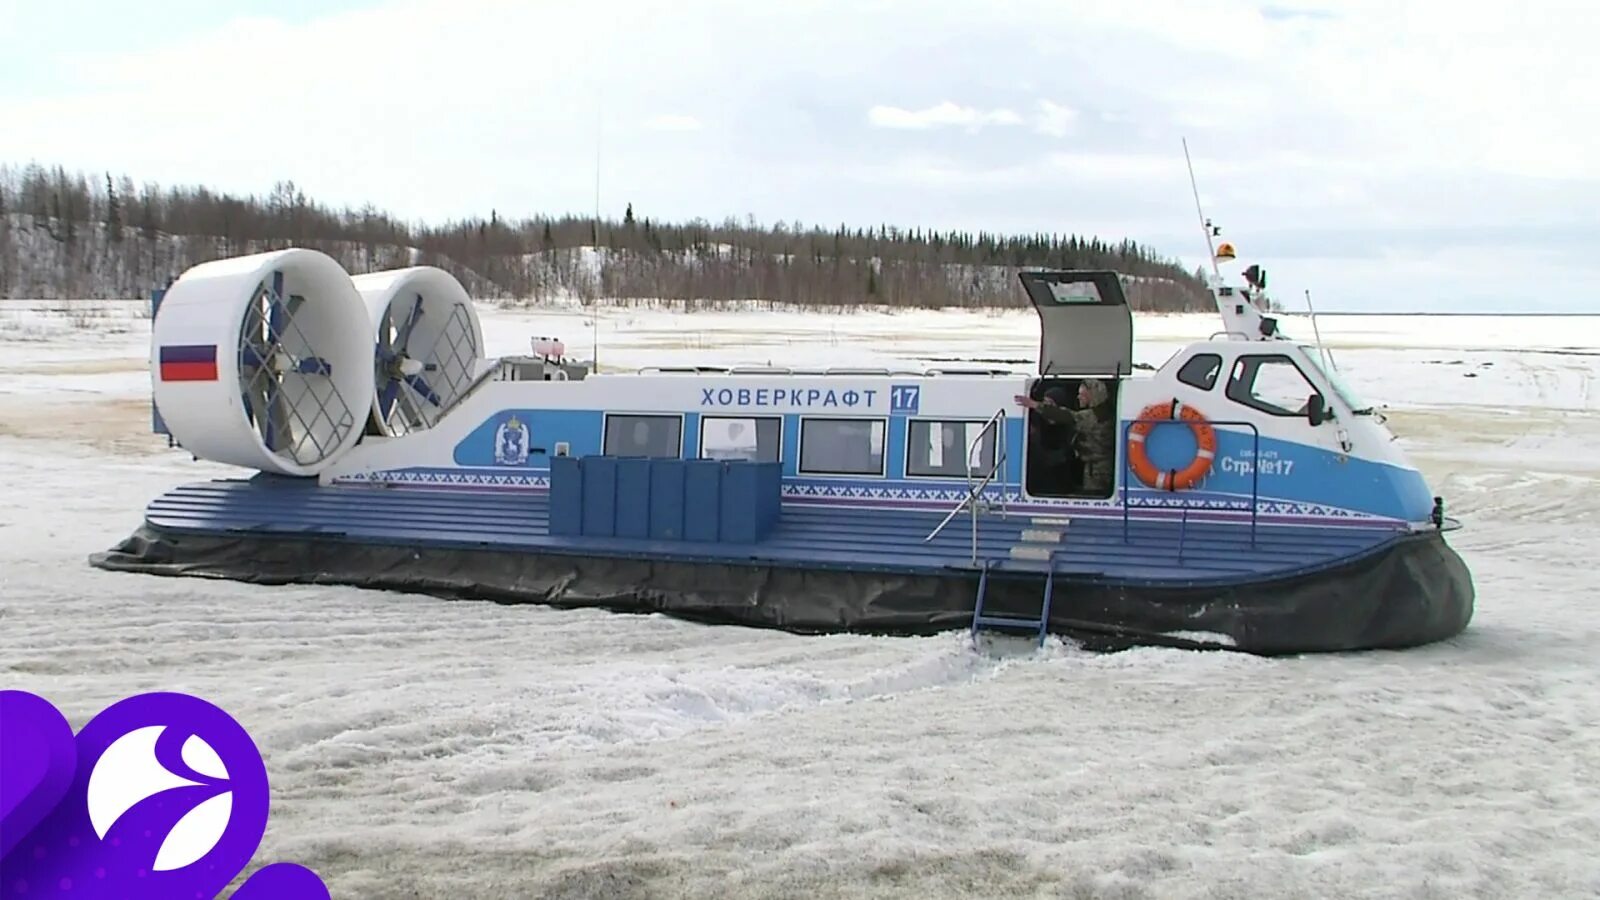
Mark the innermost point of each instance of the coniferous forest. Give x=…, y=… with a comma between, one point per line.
x=66, y=235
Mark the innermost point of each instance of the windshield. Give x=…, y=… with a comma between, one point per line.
x=1345, y=391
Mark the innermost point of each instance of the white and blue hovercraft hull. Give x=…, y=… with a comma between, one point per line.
x=864, y=501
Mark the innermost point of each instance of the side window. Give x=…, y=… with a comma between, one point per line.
x=741, y=437
x=949, y=449
x=1201, y=371
x=654, y=436
x=1272, y=384
x=841, y=446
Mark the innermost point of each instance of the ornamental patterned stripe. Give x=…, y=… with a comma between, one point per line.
x=1140, y=500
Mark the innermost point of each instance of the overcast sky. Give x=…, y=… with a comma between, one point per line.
x=1386, y=155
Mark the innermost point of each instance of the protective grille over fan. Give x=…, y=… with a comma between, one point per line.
x=428, y=341
x=264, y=361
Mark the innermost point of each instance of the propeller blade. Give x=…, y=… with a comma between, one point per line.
x=411, y=413
x=252, y=356
x=251, y=335
x=405, y=330
x=421, y=387
x=275, y=309
x=386, y=334
x=269, y=432
x=298, y=340
x=387, y=399
x=262, y=410
x=280, y=416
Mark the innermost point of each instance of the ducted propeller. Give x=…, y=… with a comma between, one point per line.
x=277, y=360
x=428, y=341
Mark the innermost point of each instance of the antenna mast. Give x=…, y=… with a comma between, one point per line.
x=597, y=135
x=594, y=318
x=1205, y=223
x=1241, y=316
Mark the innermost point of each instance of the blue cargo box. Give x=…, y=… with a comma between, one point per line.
x=732, y=501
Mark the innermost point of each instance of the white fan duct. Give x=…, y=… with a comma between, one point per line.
x=428, y=343
x=264, y=361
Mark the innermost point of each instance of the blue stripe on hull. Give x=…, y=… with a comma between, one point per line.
x=807, y=535
x=920, y=494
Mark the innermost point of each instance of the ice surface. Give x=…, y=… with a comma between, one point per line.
x=423, y=748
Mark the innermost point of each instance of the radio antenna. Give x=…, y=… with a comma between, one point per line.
x=1243, y=320
x=599, y=130
x=1205, y=223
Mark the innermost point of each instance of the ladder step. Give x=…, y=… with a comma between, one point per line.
x=1005, y=622
x=1050, y=521
x=1042, y=535
x=1038, y=625
x=1038, y=552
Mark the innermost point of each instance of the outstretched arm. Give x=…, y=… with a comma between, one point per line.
x=1054, y=414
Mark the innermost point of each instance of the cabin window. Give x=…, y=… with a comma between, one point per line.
x=841, y=446
x=659, y=437
x=949, y=449
x=1069, y=292
x=1272, y=384
x=1201, y=371
x=756, y=438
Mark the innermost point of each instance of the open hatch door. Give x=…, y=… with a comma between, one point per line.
x=1085, y=325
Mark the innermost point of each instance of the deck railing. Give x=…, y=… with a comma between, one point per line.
x=996, y=424
x=1184, y=506
x=492, y=373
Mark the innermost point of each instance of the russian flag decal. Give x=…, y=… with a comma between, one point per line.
x=189, y=362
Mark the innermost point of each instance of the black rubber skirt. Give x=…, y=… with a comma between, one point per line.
x=1410, y=591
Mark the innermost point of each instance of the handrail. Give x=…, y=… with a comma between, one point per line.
x=969, y=501
x=667, y=370
x=990, y=372
x=1255, y=477
x=492, y=373
x=832, y=372
x=764, y=370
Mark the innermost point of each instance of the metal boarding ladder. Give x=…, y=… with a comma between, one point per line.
x=970, y=501
x=1040, y=626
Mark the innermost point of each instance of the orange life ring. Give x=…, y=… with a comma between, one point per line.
x=1175, y=479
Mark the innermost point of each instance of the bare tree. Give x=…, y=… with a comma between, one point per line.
x=545, y=258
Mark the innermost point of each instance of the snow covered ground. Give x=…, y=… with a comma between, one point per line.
x=422, y=748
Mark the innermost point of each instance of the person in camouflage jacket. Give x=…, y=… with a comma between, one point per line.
x=1092, y=429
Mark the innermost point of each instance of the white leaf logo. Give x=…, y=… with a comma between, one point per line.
x=128, y=772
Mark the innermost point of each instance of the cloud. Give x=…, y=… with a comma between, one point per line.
x=943, y=115
x=1051, y=118
x=1409, y=123
x=1054, y=119
x=672, y=122
x=1281, y=12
